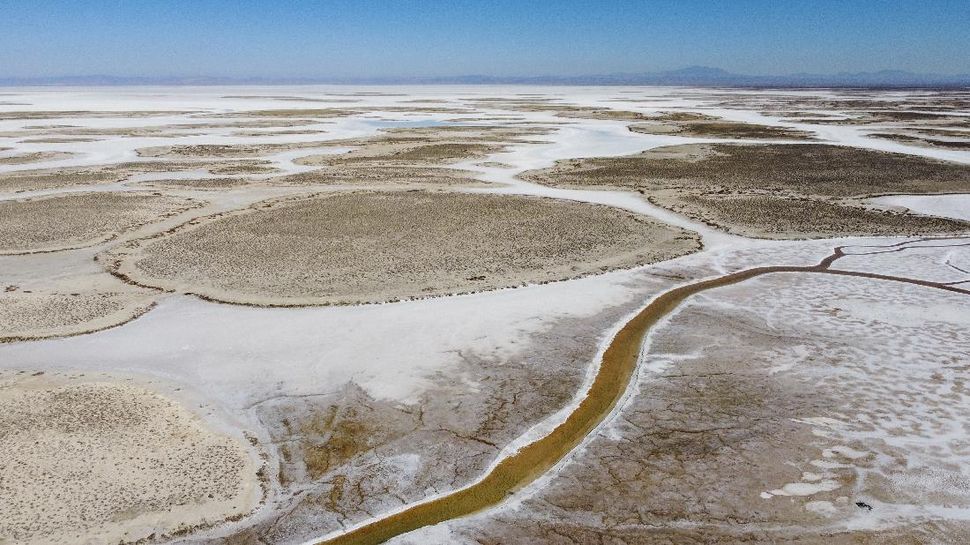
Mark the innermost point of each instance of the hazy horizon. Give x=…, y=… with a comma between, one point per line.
x=345, y=40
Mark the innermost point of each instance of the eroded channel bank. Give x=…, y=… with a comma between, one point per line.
x=617, y=368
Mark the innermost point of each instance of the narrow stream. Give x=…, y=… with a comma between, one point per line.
x=616, y=371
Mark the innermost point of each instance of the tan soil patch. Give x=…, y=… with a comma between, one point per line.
x=720, y=129
x=111, y=463
x=226, y=151
x=256, y=134
x=925, y=142
x=43, y=314
x=35, y=157
x=36, y=180
x=198, y=183
x=564, y=110
x=84, y=114
x=770, y=216
x=167, y=131
x=387, y=175
x=53, y=178
x=405, y=154
x=369, y=247
x=914, y=118
x=57, y=140
x=427, y=145
x=775, y=190
x=81, y=219
x=310, y=113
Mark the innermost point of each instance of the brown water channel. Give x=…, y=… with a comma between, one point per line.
x=616, y=371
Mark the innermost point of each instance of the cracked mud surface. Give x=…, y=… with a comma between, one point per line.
x=347, y=457
x=807, y=421
x=384, y=246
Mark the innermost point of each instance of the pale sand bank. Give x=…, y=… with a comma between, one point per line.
x=110, y=462
x=385, y=246
x=80, y=219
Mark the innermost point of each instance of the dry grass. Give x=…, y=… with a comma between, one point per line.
x=79, y=219
x=108, y=462
x=368, y=246
x=53, y=178
x=720, y=129
x=38, y=314
x=777, y=190
x=386, y=175
x=34, y=157
x=225, y=151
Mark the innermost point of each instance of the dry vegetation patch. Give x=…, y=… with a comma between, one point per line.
x=109, y=462
x=770, y=216
x=35, y=180
x=389, y=175
x=776, y=190
x=34, y=157
x=405, y=154
x=173, y=130
x=199, y=183
x=309, y=113
x=54, y=178
x=55, y=114
x=79, y=219
x=57, y=140
x=427, y=145
x=373, y=246
x=226, y=151
x=527, y=104
x=720, y=129
x=924, y=141
x=41, y=314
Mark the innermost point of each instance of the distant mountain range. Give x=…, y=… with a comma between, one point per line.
x=695, y=76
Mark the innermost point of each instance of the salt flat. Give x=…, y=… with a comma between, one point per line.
x=801, y=394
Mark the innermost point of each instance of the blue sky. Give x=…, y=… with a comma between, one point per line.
x=494, y=37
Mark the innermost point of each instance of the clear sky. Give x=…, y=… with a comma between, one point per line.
x=493, y=37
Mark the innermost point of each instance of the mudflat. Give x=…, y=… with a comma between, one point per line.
x=382, y=246
x=109, y=462
x=775, y=190
x=33, y=314
x=76, y=220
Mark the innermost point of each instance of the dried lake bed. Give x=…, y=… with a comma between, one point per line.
x=484, y=315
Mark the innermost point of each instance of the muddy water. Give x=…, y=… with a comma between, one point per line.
x=522, y=468
x=616, y=371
